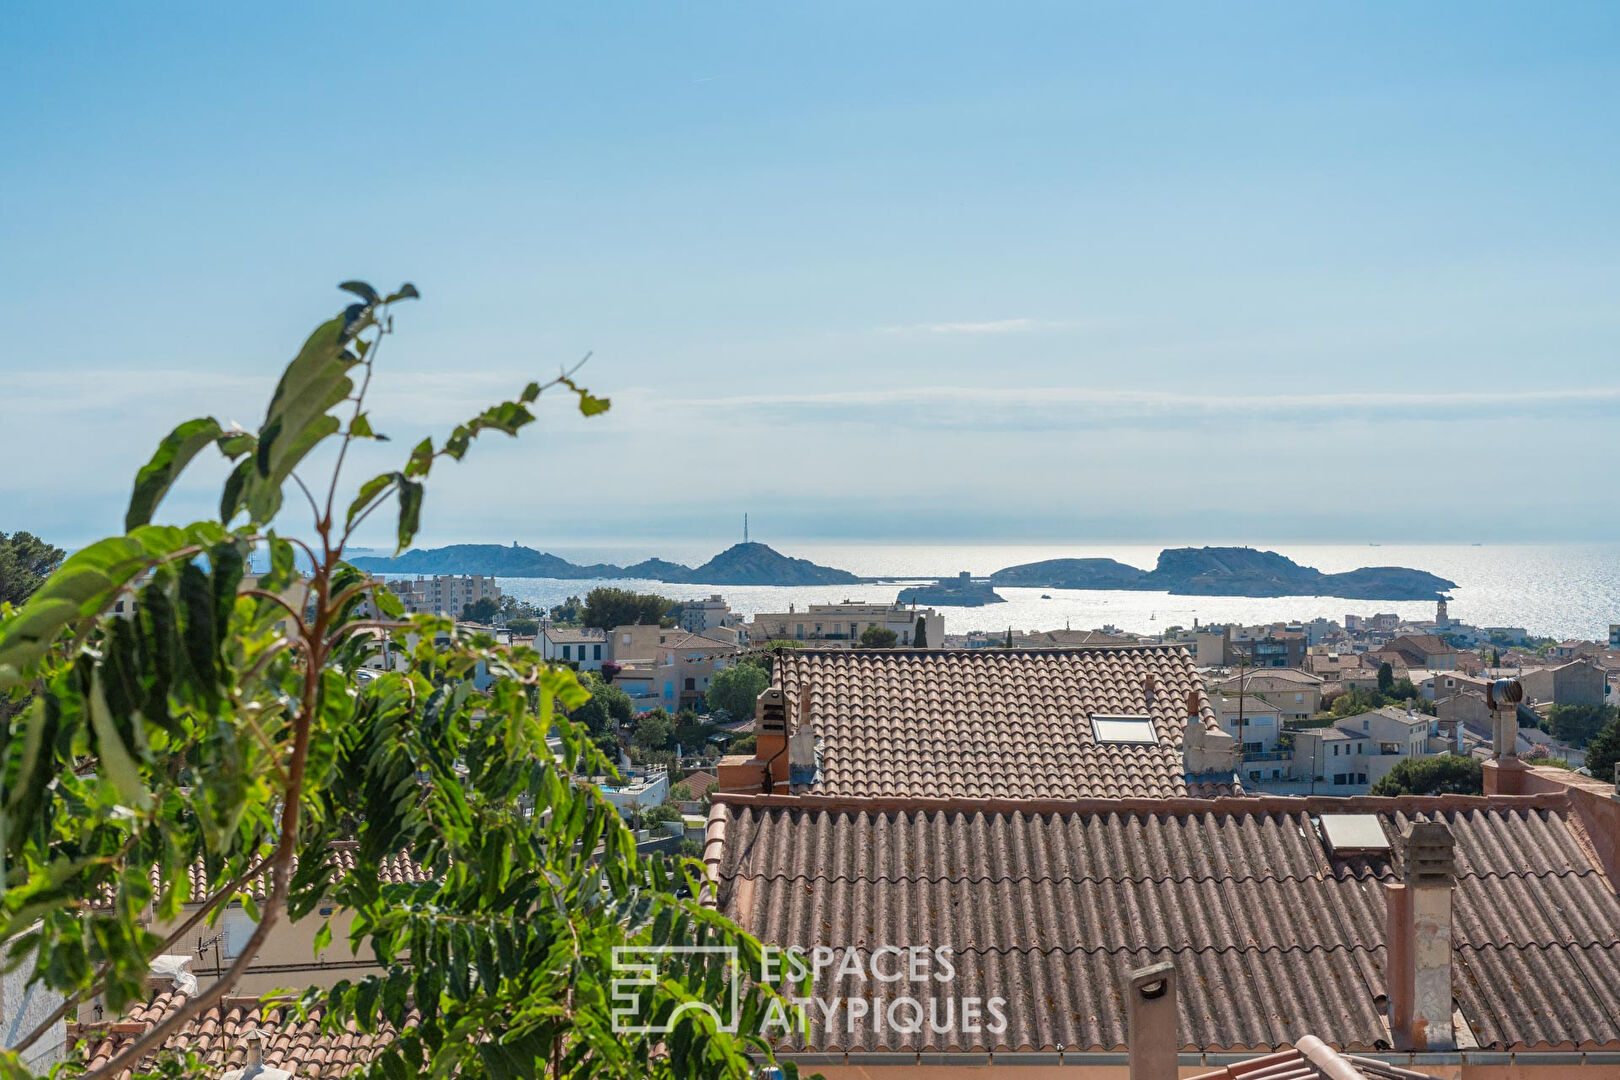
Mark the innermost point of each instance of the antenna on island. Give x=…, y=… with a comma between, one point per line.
x=745, y=528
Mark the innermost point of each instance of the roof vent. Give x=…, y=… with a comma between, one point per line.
x=1431, y=857
x=1353, y=834
x=1110, y=728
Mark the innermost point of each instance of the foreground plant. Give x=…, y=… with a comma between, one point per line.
x=222, y=727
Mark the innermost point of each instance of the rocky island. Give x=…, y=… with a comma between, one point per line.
x=740, y=564
x=959, y=591
x=1227, y=571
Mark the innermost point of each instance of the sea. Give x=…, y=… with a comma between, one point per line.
x=1561, y=590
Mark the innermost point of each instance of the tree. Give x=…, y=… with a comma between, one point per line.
x=607, y=707
x=217, y=737
x=1578, y=724
x=483, y=610
x=1443, y=774
x=524, y=627
x=919, y=637
x=879, y=637
x=1604, y=750
x=25, y=562
x=1008, y=643
x=569, y=612
x=1386, y=677
x=734, y=690
x=743, y=745
x=654, y=730
x=606, y=608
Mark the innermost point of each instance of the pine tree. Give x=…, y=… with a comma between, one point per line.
x=920, y=638
x=1008, y=643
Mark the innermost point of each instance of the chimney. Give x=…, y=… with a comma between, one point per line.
x=1504, y=773
x=769, y=765
x=1419, y=941
x=1152, y=1023
x=771, y=734
x=1205, y=751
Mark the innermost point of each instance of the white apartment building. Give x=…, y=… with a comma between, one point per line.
x=843, y=624
x=700, y=615
x=583, y=648
x=444, y=594
x=1358, y=751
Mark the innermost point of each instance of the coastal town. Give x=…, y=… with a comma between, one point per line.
x=1318, y=707
x=835, y=541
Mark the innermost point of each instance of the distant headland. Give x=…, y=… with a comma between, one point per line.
x=740, y=564
x=1227, y=571
x=1206, y=571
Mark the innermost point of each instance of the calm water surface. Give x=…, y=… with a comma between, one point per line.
x=1561, y=590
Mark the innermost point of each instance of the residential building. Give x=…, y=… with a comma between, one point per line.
x=1420, y=926
x=444, y=594
x=1358, y=751
x=700, y=615
x=1580, y=682
x=1296, y=694
x=685, y=666
x=1418, y=651
x=584, y=648
x=1062, y=639
x=832, y=624
x=1253, y=721
x=1506, y=635
x=1101, y=722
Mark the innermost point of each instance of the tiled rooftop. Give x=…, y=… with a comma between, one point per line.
x=218, y=1037
x=1311, y=1059
x=1050, y=906
x=992, y=723
x=395, y=870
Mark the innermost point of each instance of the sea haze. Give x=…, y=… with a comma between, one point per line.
x=1558, y=590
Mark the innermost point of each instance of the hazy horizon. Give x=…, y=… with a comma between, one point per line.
x=898, y=273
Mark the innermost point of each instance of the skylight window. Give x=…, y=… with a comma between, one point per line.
x=1123, y=729
x=1353, y=834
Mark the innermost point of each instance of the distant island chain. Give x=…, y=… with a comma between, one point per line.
x=1187, y=571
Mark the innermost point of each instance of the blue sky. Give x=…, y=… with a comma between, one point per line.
x=1260, y=272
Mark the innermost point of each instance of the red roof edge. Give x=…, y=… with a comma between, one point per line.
x=1220, y=804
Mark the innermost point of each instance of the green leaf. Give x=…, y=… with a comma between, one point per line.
x=406, y=291
x=115, y=760
x=368, y=492
x=85, y=585
x=173, y=454
x=410, y=511
x=323, y=937
x=298, y=419
x=589, y=403
x=362, y=290
x=361, y=428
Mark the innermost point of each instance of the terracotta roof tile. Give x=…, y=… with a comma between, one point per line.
x=993, y=723
x=218, y=1037
x=1273, y=938
x=1311, y=1059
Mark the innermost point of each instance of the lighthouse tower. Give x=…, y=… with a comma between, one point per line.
x=1440, y=618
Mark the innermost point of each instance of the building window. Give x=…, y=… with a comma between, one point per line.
x=596, y=651
x=565, y=652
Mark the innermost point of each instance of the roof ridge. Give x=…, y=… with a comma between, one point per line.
x=1174, y=806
